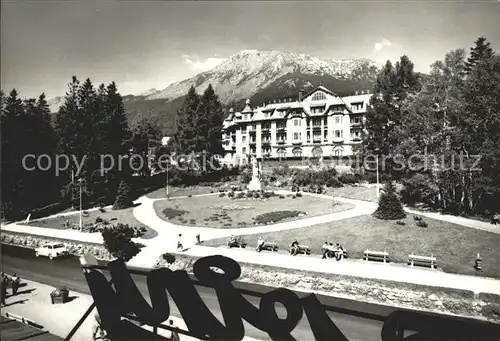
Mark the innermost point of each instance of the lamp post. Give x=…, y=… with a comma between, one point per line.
x=166, y=188
x=81, y=210
x=377, y=150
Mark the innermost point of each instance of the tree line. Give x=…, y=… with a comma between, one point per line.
x=450, y=116
x=90, y=123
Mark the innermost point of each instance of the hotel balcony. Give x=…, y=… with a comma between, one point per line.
x=252, y=142
x=281, y=129
x=338, y=139
x=281, y=141
x=266, y=155
x=297, y=142
x=266, y=142
x=356, y=139
x=317, y=139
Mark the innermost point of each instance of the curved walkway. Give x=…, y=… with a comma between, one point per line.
x=168, y=233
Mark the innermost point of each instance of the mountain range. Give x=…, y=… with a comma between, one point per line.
x=260, y=76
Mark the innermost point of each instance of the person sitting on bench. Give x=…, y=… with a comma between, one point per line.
x=295, y=247
x=339, y=251
x=325, y=249
x=260, y=244
x=232, y=240
x=495, y=219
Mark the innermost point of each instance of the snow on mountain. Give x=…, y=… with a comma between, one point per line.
x=149, y=92
x=247, y=71
x=55, y=103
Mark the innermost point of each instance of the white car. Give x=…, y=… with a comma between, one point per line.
x=52, y=250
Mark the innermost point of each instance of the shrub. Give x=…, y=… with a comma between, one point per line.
x=123, y=196
x=348, y=178
x=389, y=206
x=240, y=195
x=282, y=197
x=118, y=241
x=256, y=195
x=102, y=209
x=417, y=218
x=421, y=223
x=400, y=222
x=298, y=195
x=333, y=182
x=98, y=220
x=190, y=195
x=171, y=213
x=293, y=196
x=276, y=216
x=231, y=194
x=169, y=258
x=419, y=189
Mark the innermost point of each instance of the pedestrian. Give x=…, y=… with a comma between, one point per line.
x=97, y=330
x=15, y=284
x=3, y=289
x=179, y=243
x=174, y=336
x=260, y=244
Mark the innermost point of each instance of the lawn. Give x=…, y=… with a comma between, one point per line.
x=354, y=192
x=454, y=246
x=174, y=191
x=224, y=212
x=124, y=216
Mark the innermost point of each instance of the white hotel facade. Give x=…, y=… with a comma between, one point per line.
x=320, y=125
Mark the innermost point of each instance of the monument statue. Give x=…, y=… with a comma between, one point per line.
x=254, y=184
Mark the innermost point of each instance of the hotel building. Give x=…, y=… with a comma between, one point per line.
x=319, y=124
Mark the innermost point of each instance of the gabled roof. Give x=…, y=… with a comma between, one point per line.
x=320, y=88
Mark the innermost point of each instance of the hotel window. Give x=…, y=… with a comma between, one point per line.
x=355, y=134
x=338, y=120
x=296, y=122
x=296, y=136
x=297, y=152
x=325, y=134
x=338, y=133
x=243, y=139
x=281, y=153
x=244, y=150
x=337, y=152
x=355, y=120
x=319, y=96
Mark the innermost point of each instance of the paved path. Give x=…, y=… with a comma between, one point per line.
x=168, y=233
x=356, y=268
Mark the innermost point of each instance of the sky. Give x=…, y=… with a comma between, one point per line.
x=149, y=44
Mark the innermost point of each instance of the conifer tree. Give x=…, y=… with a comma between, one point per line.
x=209, y=124
x=123, y=196
x=481, y=51
x=185, y=139
x=389, y=205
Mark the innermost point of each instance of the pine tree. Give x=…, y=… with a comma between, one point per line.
x=481, y=51
x=12, y=187
x=209, y=124
x=389, y=206
x=185, y=135
x=123, y=196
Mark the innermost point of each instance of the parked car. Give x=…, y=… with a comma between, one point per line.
x=52, y=250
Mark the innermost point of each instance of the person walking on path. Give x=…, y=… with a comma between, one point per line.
x=173, y=335
x=179, y=243
x=97, y=330
x=4, y=281
x=15, y=284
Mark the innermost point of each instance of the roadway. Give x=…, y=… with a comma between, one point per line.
x=67, y=272
x=363, y=323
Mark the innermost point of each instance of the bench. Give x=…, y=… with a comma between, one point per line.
x=376, y=255
x=422, y=260
x=269, y=246
x=304, y=249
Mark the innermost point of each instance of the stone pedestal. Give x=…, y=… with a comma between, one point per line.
x=254, y=185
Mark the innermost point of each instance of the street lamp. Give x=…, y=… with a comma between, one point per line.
x=377, y=150
x=81, y=210
x=166, y=189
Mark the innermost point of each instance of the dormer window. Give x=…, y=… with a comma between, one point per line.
x=319, y=96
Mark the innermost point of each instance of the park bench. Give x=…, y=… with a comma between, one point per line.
x=422, y=260
x=304, y=249
x=495, y=219
x=269, y=246
x=376, y=255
